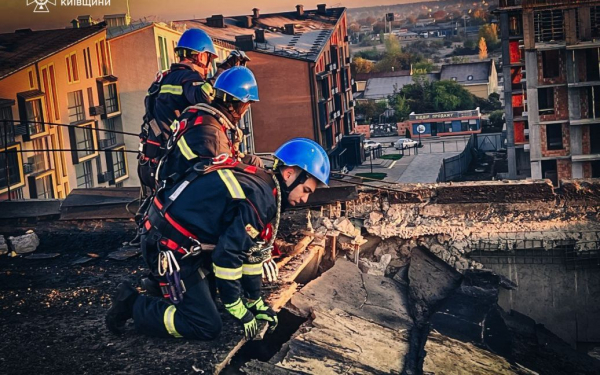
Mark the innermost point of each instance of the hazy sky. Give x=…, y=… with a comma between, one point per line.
x=15, y=14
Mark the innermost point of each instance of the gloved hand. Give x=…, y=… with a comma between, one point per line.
x=270, y=270
x=239, y=311
x=236, y=58
x=262, y=311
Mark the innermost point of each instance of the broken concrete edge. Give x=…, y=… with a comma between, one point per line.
x=282, y=296
x=488, y=191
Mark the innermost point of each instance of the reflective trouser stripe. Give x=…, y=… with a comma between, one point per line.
x=169, y=320
x=252, y=269
x=227, y=273
x=171, y=89
x=232, y=184
x=185, y=149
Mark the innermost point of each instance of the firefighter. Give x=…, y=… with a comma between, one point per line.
x=219, y=213
x=205, y=131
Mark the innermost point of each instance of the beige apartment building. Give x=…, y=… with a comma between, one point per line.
x=58, y=92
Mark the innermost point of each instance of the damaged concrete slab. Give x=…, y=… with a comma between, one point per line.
x=345, y=287
x=342, y=343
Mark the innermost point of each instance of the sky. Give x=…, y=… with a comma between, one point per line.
x=16, y=14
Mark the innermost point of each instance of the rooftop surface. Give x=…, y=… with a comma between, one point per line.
x=479, y=71
x=378, y=88
x=23, y=48
x=312, y=31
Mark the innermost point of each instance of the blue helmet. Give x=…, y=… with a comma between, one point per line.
x=196, y=40
x=306, y=154
x=238, y=82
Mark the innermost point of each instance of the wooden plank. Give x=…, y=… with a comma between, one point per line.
x=29, y=209
x=298, y=248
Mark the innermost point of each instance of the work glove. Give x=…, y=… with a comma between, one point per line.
x=270, y=270
x=236, y=58
x=240, y=312
x=262, y=311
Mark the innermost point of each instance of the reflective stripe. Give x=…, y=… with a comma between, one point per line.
x=171, y=89
x=252, y=269
x=232, y=184
x=227, y=273
x=169, y=320
x=185, y=149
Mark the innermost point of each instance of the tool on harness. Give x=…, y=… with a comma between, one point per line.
x=168, y=267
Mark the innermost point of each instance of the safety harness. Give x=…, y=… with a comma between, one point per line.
x=171, y=237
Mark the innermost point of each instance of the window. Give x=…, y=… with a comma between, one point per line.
x=472, y=124
x=49, y=93
x=163, y=60
x=111, y=101
x=102, y=58
x=44, y=187
x=550, y=63
x=72, y=68
x=554, y=137
x=90, y=94
x=515, y=25
x=119, y=167
x=7, y=129
x=54, y=92
x=14, y=173
x=110, y=137
x=323, y=88
x=76, y=108
x=546, y=101
x=35, y=116
x=84, y=174
x=84, y=138
x=447, y=126
x=31, y=81
x=87, y=60
x=464, y=125
x=41, y=158
x=469, y=78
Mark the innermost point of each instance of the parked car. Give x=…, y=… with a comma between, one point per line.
x=369, y=144
x=404, y=143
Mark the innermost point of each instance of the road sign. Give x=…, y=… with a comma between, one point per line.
x=421, y=129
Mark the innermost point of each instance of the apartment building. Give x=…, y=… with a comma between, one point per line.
x=551, y=78
x=302, y=64
x=57, y=92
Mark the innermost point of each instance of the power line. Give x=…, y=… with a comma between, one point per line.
x=80, y=126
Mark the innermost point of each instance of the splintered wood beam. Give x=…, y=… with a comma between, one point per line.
x=298, y=248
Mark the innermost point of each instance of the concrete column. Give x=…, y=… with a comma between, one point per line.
x=532, y=106
x=536, y=170
x=575, y=132
x=570, y=26
x=585, y=23
x=508, y=109
x=528, y=29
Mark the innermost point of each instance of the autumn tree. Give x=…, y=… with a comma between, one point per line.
x=361, y=65
x=490, y=33
x=483, y=52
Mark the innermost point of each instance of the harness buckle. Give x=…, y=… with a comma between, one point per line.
x=220, y=159
x=195, y=248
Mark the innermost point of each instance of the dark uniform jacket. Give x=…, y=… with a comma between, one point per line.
x=201, y=137
x=230, y=209
x=179, y=89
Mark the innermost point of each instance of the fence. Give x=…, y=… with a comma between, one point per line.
x=454, y=167
x=489, y=142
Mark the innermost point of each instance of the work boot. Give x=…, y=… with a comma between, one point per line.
x=151, y=286
x=121, y=309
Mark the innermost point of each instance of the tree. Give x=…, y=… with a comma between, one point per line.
x=354, y=28
x=424, y=96
x=497, y=119
x=392, y=45
x=440, y=14
x=422, y=67
x=483, y=52
x=400, y=106
x=459, y=59
x=361, y=65
x=379, y=27
x=407, y=134
x=490, y=33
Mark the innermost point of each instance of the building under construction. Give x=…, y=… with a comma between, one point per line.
x=551, y=77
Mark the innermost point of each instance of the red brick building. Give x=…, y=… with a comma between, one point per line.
x=301, y=60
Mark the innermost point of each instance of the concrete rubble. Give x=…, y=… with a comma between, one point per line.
x=24, y=244
x=426, y=318
x=3, y=245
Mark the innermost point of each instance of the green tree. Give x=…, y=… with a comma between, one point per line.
x=400, y=106
x=422, y=67
x=497, y=119
x=392, y=45
x=424, y=96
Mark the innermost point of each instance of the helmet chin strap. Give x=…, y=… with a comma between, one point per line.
x=286, y=190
